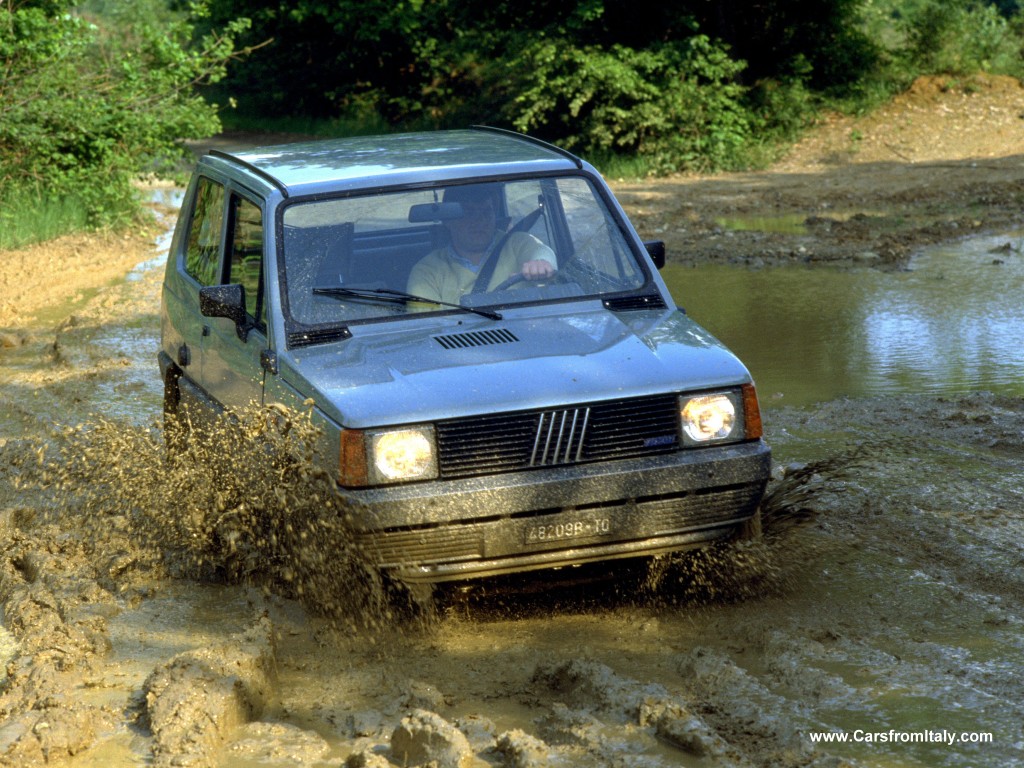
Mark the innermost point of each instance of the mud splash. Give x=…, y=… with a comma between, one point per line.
x=246, y=501
x=107, y=516
x=113, y=528
x=885, y=595
x=241, y=501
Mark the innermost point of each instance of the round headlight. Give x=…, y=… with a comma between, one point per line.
x=709, y=417
x=403, y=454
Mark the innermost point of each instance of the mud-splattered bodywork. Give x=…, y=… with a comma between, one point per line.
x=530, y=423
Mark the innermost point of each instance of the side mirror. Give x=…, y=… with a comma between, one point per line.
x=226, y=301
x=656, y=250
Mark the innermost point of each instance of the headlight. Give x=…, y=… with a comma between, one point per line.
x=403, y=455
x=711, y=418
x=377, y=457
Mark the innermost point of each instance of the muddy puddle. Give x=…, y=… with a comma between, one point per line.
x=943, y=325
x=163, y=614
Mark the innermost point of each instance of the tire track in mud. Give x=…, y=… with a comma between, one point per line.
x=40, y=719
x=881, y=602
x=889, y=597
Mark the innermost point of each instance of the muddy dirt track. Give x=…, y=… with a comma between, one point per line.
x=148, y=621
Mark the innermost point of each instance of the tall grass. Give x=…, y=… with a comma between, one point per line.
x=28, y=215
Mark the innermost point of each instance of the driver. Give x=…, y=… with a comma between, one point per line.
x=448, y=273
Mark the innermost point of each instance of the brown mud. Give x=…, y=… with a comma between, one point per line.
x=196, y=611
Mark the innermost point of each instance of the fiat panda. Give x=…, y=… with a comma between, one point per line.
x=502, y=381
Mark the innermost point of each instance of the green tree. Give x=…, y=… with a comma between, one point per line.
x=959, y=37
x=325, y=59
x=686, y=83
x=83, y=115
x=679, y=103
x=682, y=80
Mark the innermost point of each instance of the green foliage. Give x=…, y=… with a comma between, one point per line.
x=678, y=103
x=817, y=42
x=84, y=114
x=29, y=216
x=954, y=37
x=681, y=83
x=96, y=94
x=960, y=37
x=329, y=60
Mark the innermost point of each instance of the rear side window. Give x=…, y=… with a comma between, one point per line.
x=202, y=255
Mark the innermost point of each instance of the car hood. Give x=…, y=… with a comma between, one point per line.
x=409, y=372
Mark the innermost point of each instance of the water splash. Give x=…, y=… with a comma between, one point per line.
x=243, y=500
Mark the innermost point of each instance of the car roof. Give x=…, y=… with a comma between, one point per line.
x=330, y=165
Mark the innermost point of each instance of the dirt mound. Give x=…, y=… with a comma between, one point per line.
x=941, y=161
x=62, y=272
x=938, y=119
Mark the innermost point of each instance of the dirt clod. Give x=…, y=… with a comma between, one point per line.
x=199, y=698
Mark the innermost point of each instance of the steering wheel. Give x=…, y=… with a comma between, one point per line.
x=519, y=277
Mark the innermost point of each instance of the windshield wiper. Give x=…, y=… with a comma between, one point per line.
x=389, y=294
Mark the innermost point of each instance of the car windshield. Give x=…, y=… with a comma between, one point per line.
x=492, y=244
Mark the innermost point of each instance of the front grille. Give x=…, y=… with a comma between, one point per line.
x=560, y=436
x=508, y=442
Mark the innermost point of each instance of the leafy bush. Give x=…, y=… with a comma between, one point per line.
x=954, y=37
x=680, y=103
x=83, y=115
x=961, y=37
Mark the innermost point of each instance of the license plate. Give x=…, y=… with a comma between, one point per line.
x=572, y=529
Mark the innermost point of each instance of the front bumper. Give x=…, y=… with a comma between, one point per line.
x=546, y=518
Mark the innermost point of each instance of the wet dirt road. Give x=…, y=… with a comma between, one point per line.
x=879, y=624
x=884, y=607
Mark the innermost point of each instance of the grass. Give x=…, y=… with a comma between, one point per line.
x=28, y=216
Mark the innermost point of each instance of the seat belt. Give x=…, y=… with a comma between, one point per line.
x=490, y=262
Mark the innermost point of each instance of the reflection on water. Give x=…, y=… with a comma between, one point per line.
x=953, y=323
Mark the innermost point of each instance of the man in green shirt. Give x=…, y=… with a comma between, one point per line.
x=449, y=273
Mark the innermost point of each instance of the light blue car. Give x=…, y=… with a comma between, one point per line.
x=504, y=382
